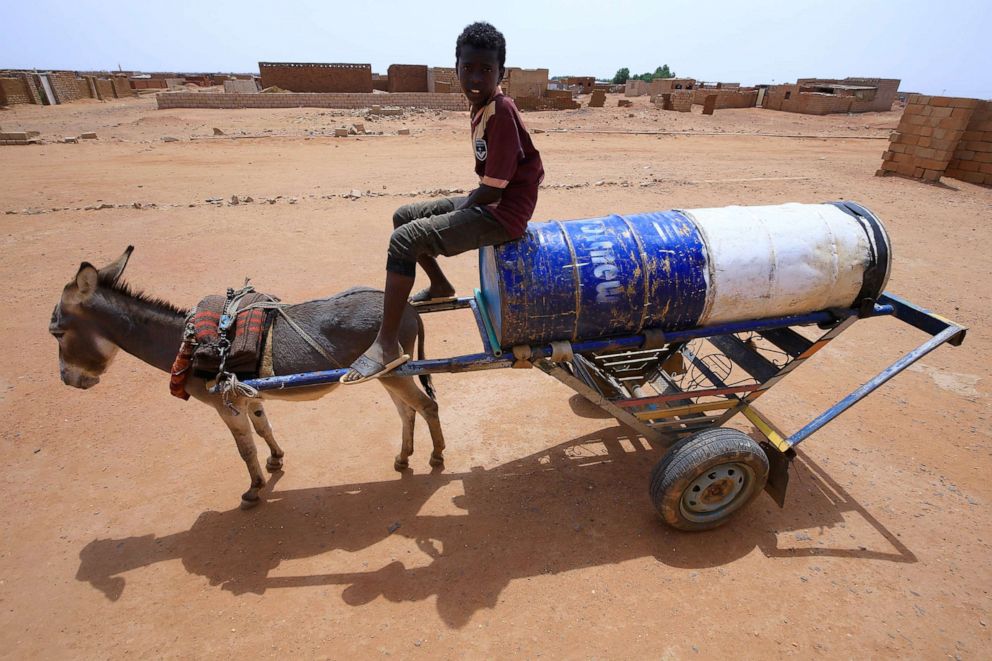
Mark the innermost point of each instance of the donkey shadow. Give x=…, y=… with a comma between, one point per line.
x=580, y=504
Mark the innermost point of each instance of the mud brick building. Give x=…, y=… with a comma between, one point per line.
x=585, y=84
x=316, y=77
x=658, y=86
x=525, y=82
x=942, y=136
x=407, y=78
x=824, y=96
x=445, y=77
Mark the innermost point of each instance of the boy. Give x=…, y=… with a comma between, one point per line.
x=509, y=170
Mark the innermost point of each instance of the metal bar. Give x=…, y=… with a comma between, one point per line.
x=922, y=318
x=950, y=332
x=670, y=426
x=578, y=386
x=683, y=410
x=767, y=429
x=656, y=399
x=484, y=313
x=788, y=340
x=483, y=333
x=745, y=357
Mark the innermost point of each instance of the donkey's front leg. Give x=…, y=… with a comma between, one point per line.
x=262, y=427
x=241, y=429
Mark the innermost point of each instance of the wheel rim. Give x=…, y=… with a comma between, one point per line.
x=716, y=492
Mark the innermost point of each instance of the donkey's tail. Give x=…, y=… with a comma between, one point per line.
x=425, y=379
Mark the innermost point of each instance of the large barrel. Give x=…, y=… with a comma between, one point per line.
x=615, y=275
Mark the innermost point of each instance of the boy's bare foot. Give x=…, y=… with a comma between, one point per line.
x=375, y=362
x=431, y=295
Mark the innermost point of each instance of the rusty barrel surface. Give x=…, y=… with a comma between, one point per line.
x=614, y=275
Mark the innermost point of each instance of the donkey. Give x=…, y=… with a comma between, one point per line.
x=99, y=314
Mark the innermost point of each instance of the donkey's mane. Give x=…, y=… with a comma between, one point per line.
x=125, y=289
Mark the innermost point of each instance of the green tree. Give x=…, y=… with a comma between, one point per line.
x=663, y=72
x=622, y=76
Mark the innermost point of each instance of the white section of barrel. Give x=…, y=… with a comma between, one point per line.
x=770, y=261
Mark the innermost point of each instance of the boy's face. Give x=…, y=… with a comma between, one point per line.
x=479, y=73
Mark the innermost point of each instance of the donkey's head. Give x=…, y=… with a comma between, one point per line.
x=84, y=350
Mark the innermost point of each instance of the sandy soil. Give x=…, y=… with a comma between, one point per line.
x=121, y=529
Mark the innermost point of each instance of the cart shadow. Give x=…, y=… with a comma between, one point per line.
x=580, y=504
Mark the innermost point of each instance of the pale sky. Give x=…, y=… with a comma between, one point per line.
x=935, y=47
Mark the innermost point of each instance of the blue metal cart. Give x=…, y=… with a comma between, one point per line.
x=679, y=388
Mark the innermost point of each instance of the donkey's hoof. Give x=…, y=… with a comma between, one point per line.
x=249, y=500
x=401, y=464
x=274, y=464
x=436, y=460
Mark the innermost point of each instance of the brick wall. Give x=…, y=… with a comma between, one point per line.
x=83, y=88
x=442, y=75
x=930, y=134
x=105, y=88
x=525, y=82
x=635, y=88
x=14, y=91
x=680, y=101
x=311, y=100
x=148, y=83
x=240, y=87
x=972, y=158
x=64, y=86
x=407, y=78
x=726, y=98
x=122, y=89
x=301, y=77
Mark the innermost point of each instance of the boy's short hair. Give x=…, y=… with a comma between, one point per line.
x=482, y=35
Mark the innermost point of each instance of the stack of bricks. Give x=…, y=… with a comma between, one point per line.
x=928, y=136
x=680, y=101
x=407, y=78
x=598, y=99
x=311, y=100
x=972, y=159
x=19, y=138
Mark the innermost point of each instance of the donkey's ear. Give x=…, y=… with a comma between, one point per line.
x=112, y=272
x=86, y=281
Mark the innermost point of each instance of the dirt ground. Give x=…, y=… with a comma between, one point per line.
x=121, y=532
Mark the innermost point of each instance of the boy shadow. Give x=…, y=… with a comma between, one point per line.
x=580, y=504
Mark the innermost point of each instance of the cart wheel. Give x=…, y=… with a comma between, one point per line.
x=707, y=477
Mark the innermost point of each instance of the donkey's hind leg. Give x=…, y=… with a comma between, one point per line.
x=237, y=422
x=406, y=389
x=408, y=417
x=262, y=427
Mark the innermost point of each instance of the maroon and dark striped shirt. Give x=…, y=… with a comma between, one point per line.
x=506, y=158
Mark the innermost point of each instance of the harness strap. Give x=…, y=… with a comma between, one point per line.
x=278, y=307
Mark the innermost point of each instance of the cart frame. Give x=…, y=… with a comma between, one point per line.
x=634, y=378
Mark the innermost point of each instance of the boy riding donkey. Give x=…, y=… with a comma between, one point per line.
x=509, y=170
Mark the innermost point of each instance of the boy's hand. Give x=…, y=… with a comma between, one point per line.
x=482, y=196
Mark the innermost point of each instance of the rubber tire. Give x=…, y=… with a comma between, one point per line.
x=692, y=457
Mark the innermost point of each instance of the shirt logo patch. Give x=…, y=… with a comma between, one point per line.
x=481, y=151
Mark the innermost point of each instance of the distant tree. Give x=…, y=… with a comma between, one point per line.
x=621, y=76
x=663, y=72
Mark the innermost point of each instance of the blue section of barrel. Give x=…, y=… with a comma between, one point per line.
x=595, y=277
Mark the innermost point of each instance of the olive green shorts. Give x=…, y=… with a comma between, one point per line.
x=438, y=227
